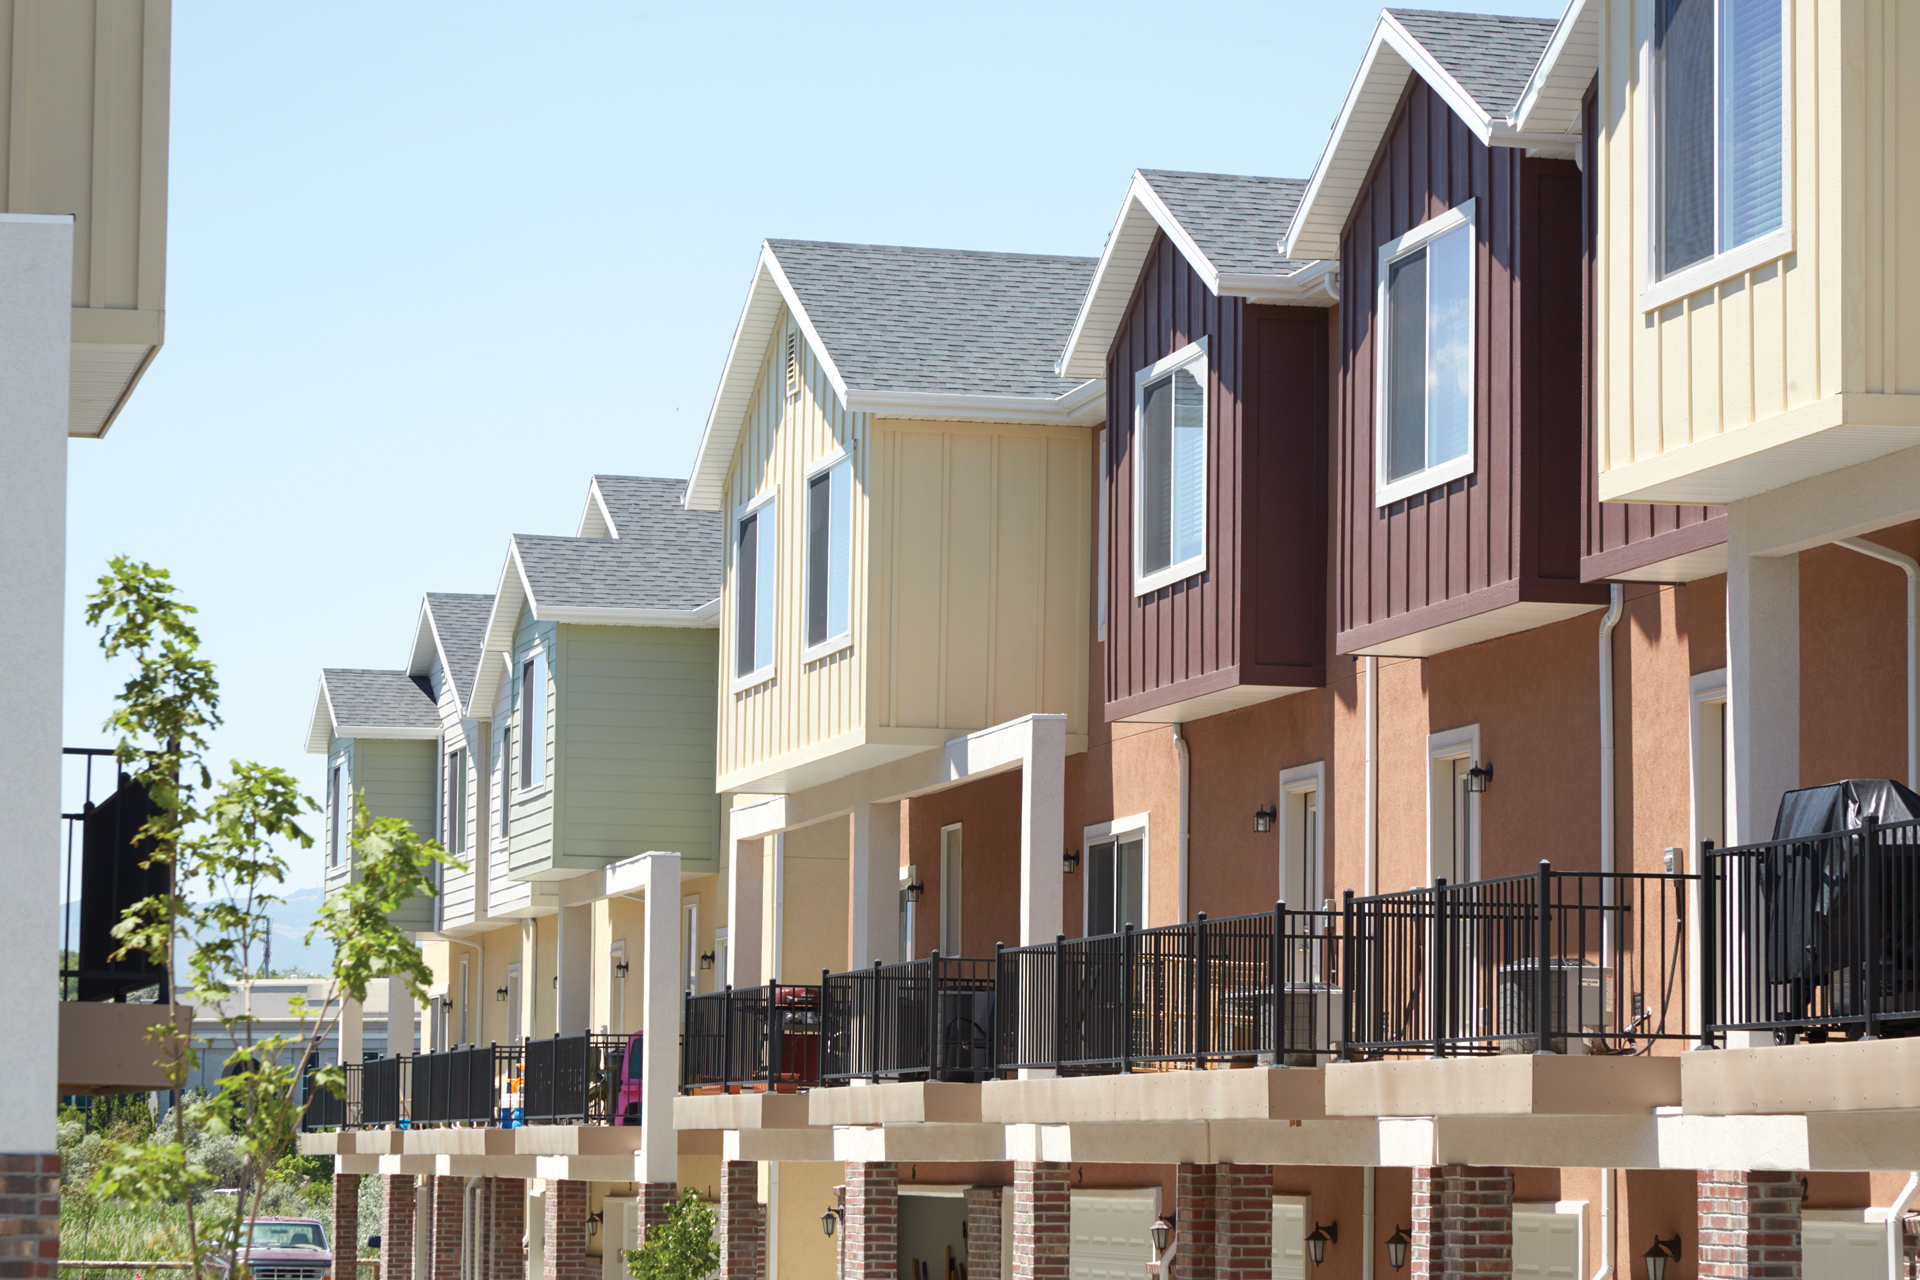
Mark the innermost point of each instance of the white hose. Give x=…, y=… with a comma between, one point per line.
x=1912, y=569
x=1896, y=1253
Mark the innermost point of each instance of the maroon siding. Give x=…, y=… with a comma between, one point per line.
x=1510, y=532
x=1257, y=614
x=1619, y=537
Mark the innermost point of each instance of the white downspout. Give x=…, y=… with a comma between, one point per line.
x=1370, y=874
x=1605, y=1269
x=1186, y=809
x=1912, y=569
x=1607, y=624
x=469, y=1233
x=1896, y=1253
x=1367, y=1177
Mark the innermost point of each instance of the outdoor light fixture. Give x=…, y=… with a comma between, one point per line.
x=620, y=968
x=914, y=890
x=1070, y=860
x=1318, y=1241
x=1397, y=1248
x=500, y=993
x=1659, y=1254
x=1162, y=1232
x=593, y=1223
x=829, y=1221
x=706, y=960
x=1478, y=777
x=1263, y=818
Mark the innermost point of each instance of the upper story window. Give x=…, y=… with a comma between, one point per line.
x=1424, y=418
x=533, y=719
x=1719, y=156
x=829, y=557
x=1170, y=469
x=336, y=836
x=756, y=566
x=456, y=841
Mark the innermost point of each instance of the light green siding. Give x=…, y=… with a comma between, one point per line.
x=396, y=778
x=530, y=811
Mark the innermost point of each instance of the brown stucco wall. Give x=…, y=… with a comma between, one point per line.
x=1853, y=637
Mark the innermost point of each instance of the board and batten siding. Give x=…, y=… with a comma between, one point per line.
x=1256, y=615
x=1509, y=532
x=1840, y=314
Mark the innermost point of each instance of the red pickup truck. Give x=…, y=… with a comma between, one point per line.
x=286, y=1249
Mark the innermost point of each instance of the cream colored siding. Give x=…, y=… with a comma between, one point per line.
x=1838, y=316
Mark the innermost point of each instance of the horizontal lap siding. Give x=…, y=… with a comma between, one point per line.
x=531, y=813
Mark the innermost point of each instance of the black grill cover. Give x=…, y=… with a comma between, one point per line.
x=1843, y=806
x=1816, y=890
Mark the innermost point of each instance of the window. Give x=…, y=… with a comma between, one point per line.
x=1712, y=818
x=1301, y=849
x=533, y=719
x=1719, y=147
x=1116, y=885
x=690, y=946
x=829, y=557
x=456, y=793
x=756, y=562
x=951, y=943
x=905, y=930
x=513, y=1003
x=1170, y=469
x=1453, y=811
x=503, y=774
x=1425, y=404
x=336, y=835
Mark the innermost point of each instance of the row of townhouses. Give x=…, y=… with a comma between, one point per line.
x=1367, y=727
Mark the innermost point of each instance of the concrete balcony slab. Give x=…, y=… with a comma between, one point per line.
x=1527, y=1084
x=1871, y=1075
x=741, y=1111
x=916, y=1102
x=1267, y=1093
x=577, y=1139
x=104, y=1047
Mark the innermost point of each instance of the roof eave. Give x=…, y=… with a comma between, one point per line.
x=1082, y=404
x=501, y=620
x=320, y=730
x=401, y=732
x=1315, y=285
x=1572, y=54
x=704, y=616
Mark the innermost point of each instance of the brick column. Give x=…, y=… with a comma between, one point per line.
x=29, y=1216
x=396, y=1226
x=1194, y=1206
x=344, y=1231
x=983, y=1233
x=872, y=1245
x=1462, y=1222
x=506, y=1229
x=654, y=1200
x=1243, y=1222
x=446, y=1219
x=1042, y=1223
x=742, y=1225
x=1749, y=1225
x=566, y=1239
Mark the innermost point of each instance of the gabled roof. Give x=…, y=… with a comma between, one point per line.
x=1550, y=102
x=1228, y=227
x=357, y=703
x=905, y=332
x=618, y=505
x=451, y=628
x=1478, y=63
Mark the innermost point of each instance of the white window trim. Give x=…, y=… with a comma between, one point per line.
x=1718, y=269
x=1387, y=492
x=1709, y=688
x=545, y=784
x=1194, y=352
x=832, y=644
x=1294, y=782
x=690, y=944
x=1453, y=744
x=1116, y=830
x=768, y=502
x=951, y=946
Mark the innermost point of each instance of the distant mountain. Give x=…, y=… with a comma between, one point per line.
x=291, y=920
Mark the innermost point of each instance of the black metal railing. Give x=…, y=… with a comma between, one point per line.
x=1815, y=936
x=1245, y=988
x=461, y=1086
x=1554, y=961
x=383, y=1091
x=573, y=1078
x=328, y=1110
x=751, y=1038
x=928, y=1019
x=103, y=852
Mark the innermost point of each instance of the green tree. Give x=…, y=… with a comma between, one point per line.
x=222, y=843
x=682, y=1248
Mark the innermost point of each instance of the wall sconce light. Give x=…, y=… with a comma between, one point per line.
x=1659, y=1254
x=620, y=968
x=1397, y=1247
x=1320, y=1238
x=1070, y=860
x=1478, y=777
x=593, y=1223
x=1162, y=1232
x=913, y=890
x=706, y=960
x=500, y=994
x=1263, y=818
x=446, y=1002
x=556, y=982
x=830, y=1220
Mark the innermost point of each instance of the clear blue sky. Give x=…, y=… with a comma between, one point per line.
x=432, y=266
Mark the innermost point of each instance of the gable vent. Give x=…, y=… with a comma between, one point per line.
x=793, y=363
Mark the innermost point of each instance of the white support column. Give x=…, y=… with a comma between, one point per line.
x=573, y=963
x=400, y=1016
x=745, y=893
x=873, y=925
x=659, y=1159
x=1763, y=681
x=1043, y=814
x=352, y=1035
x=36, y=291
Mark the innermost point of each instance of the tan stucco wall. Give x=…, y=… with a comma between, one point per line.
x=814, y=936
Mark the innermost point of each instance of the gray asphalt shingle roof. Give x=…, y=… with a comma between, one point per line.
x=939, y=320
x=380, y=699
x=650, y=506
x=1237, y=221
x=460, y=620
x=679, y=571
x=1491, y=55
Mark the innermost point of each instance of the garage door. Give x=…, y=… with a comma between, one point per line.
x=1843, y=1250
x=1110, y=1238
x=1546, y=1246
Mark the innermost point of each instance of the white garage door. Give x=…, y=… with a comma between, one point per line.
x=1546, y=1246
x=1110, y=1240
x=1843, y=1250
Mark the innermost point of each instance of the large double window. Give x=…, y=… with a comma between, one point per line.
x=1170, y=469
x=756, y=577
x=1719, y=128
x=1425, y=406
x=829, y=557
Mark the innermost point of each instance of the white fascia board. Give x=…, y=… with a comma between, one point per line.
x=596, y=506
x=1570, y=60
x=426, y=643
x=507, y=600
x=1314, y=285
x=320, y=732
x=409, y=732
x=707, y=615
x=1121, y=259
x=1085, y=403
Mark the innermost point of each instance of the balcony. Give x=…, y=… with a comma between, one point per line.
x=751, y=1040
x=565, y=1080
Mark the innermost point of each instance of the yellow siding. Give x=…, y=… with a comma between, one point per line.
x=1839, y=314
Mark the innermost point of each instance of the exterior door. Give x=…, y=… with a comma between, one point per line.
x=1289, y=1238
x=1843, y=1250
x=1109, y=1236
x=1546, y=1245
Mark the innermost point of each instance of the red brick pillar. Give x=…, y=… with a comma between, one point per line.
x=29, y=1216
x=506, y=1229
x=983, y=1233
x=1749, y=1225
x=1194, y=1206
x=1462, y=1222
x=1042, y=1221
x=446, y=1221
x=343, y=1232
x=742, y=1225
x=654, y=1200
x=566, y=1237
x=396, y=1226
x=1243, y=1222
x=872, y=1245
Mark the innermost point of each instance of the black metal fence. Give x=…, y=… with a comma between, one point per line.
x=1813, y=937
x=383, y=1091
x=751, y=1038
x=461, y=1086
x=573, y=1078
x=328, y=1110
x=1245, y=988
x=1559, y=961
x=917, y=1020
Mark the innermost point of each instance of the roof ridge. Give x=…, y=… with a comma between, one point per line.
x=915, y=248
x=1237, y=177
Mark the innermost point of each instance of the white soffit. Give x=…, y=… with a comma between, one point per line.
x=320, y=729
x=499, y=636
x=1550, y=104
